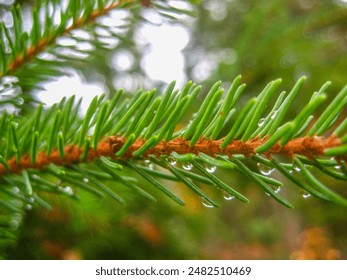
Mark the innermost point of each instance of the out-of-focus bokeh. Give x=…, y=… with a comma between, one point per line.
x=259, y=39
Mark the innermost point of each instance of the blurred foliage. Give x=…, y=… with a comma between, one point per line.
x=261, y=40
x=264, y=40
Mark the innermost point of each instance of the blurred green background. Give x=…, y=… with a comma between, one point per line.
x=261, y=40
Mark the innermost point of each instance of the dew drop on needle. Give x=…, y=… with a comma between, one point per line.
x=264, y=169
x=187, y=166
x=14, y=224
x=28, y=207
x=261, y=122
x=68, y=190
x=227, y=196
x=172, y=161
x=210, y=168
x=273, y=115
x=338, y=167
x=305, y=194
x=276, y=189
x=206, y=203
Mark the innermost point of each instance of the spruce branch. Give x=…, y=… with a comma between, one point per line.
x=56, y=146
x=42, y=41
x=42, y=152
x=40, y=53
x=44, y=33
x=114, y=137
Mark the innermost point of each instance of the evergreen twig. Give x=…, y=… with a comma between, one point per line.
x=119, y=135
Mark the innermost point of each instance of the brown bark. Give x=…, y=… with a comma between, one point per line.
x=307, y=146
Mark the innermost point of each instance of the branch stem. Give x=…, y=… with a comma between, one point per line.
x=310, y=147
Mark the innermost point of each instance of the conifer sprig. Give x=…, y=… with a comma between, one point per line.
x=26, y=46
x=55, y=38
x=116, y=135
x=56, y=150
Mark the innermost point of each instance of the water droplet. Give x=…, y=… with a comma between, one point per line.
x=187, y=166
x=227, y=196
x=261, y=122
x=171, y=160
x=31, y=200
x=296, y=168
x=19, y=101
x=264, y=169
x=15, y=124
x=151, y=166
x=68, y=190
x=28, y=207
x=15, y=190
x=274, y=114
x=308, y=166
x=276, y=189
x=210, y=169
x=305, y=194
x=14, y=224
x=338, y=167
x=85, y=180
x=206, y=203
